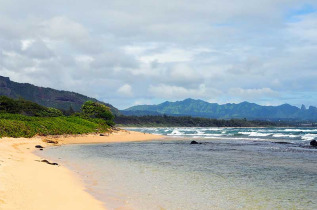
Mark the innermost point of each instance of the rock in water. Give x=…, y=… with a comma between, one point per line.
x=194, y=142
x=39, y=146
x=313, y=143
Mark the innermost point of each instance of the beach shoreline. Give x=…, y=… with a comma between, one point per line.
x=28, y=183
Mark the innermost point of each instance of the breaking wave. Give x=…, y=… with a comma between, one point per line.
x=300, y=134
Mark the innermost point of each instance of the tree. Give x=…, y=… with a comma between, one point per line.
x=97, y=110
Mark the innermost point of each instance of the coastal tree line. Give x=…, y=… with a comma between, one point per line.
x=22, y=118
x=187, y=121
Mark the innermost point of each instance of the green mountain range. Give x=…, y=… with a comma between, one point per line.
x=189, y=107
x=46, y=96
x=199, y=108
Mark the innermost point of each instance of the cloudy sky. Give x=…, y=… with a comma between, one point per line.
x=146, y=52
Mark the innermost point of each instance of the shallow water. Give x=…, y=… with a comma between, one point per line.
x=227, y=172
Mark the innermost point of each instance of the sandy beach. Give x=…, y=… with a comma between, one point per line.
x=28, y=183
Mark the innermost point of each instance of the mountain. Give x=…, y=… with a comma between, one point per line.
x=200, y=108
x=46, y=96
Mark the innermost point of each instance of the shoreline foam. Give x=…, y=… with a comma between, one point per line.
x=27, y=183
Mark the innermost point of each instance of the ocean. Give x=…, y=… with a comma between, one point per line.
x=231, y=168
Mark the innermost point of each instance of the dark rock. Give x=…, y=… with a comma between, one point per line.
x=50, y=141
x=39, y=146
x=281, y=142
x=102, y=134
x=313, y=143
x=46, y=161
x=41, y=149
x=194, y=142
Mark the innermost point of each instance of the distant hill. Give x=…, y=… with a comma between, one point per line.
x=46, y=96
x=200, y=108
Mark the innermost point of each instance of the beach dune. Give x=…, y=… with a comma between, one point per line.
x=28, y=183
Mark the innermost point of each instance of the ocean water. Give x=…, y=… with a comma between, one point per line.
x=232, y=168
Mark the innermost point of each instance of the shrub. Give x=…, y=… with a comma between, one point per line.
x=17, y=125
x=54, y=112
x=96, y=110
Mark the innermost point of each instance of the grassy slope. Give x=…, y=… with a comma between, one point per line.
x=16, y=125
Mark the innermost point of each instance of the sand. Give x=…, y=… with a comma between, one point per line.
x=28, y=183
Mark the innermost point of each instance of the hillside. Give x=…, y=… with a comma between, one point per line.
x=46, y=96
x=199, y=108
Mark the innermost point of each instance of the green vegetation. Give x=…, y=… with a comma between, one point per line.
x=21, y=106
x=166, y=121
x=21, y=118
x=16, y=125
x=92, y=109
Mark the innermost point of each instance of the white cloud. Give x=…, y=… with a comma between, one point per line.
x=228, y=51
x=178, y=92
x=252, y=93
x=305, y=28
x=61, y=28
x=26, y=43
x=125, y=90
x=170, y=55
x=37, y=50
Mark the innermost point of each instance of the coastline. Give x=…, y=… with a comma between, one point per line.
x=28, y=183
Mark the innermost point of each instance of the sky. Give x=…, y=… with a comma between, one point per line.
x=146, y=52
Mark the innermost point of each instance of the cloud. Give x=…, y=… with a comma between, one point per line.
x=125, y=90
x=305, y=28
x=178, y=92
x=252, y=93
x=61, y=28
x=36, y=50
x=262, y=51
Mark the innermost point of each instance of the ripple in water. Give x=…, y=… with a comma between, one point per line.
x=266, y=172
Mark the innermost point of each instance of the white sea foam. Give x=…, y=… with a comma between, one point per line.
x=293, y=130
x=293, y=136
x=309, y=136
x=204, y=134
x=245, y=133
x=250, y=133
x=199, y=132
x=260, y=134
x=301, y=130
x=280, y=135
x=175, y=132
x=255, y=134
